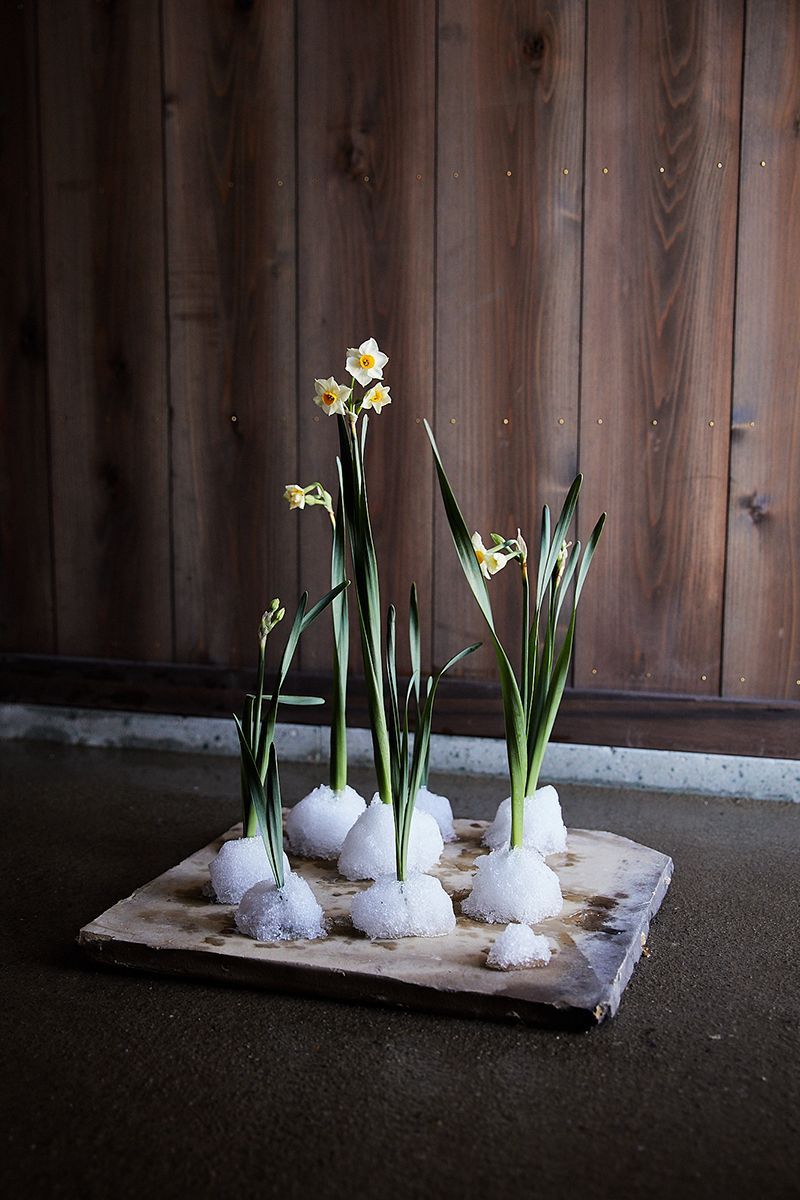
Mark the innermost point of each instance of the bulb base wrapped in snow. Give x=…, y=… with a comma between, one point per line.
x=543, y=827
x=441, y=810
x=240, y=863
x=417, y=907
x=518, y=948
x=317, y=826
x=513, y=885
x=288, y=914
x=368, y=850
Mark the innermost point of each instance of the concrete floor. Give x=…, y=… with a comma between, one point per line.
x=118, y=1085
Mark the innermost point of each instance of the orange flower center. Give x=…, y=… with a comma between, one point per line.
x=366, y=362
x=329, y=398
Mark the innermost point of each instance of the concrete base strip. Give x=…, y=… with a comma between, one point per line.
x=602, y=766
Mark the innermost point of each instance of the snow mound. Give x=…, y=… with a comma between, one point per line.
x=368, y=850
x=417, y=907
x=317, y=826
x=513, y=885
x=518, y=947
x=240, y=863
x=440, y=809
x=271, y=914
x=543, y=827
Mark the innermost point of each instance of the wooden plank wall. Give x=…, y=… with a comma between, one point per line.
x=571, y=225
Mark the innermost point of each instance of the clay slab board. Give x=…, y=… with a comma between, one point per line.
x=612, y=888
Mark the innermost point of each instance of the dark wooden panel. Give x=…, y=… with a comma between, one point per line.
x=366, y=189
x=663, y=91
x=510, y=118
x=762, y=609
x=471, y=707
x=102, y=194
x=229, y=80
x=26, y=597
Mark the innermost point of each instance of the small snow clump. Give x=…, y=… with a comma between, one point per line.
x=317, y=826
x=440, y=809
x=417, y=907
x=518, y=947
x=513, y=885
x=271, y=914
x=368, y=850
x=543, y=827
x=240, y=863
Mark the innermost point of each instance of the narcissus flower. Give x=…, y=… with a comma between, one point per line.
x=366, y=362
x=490, y=561
x=295, y=495
x=331, y=396
x=377, y=397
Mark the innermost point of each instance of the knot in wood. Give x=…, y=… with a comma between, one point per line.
x=756, y=507
x=534, y=50
x=352, y=160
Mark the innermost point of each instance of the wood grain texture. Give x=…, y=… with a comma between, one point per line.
x=663, y=91
x=510, y=120
x=366, y=238
x=26, y=594
x=102, y=195
x=762, y=603
x=229, y=80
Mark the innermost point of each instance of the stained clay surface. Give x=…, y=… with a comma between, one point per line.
x=612, y=887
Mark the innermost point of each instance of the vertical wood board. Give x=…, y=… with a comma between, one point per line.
x=26, y=594
x=762, y=603
x=104, y=253
x=230, y=128
x=510, y=148
x=663, y=92
x=365, y=210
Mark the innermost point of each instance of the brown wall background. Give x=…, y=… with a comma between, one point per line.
x=575, y=228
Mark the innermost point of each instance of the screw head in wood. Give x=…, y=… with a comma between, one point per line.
x=719, y=166
x=561, y=420
x=505, y=420
x=654, y=421
x=565, y=171
x=452, y=420
x=742, y=679
x=605, y=170
x=508, y=174
x=661, y=170
x=599, y=420
x=455, y=174
x=704, y=678
x=594, y=670
x=234, y=418
x=763, y=163
x=711, y=424
x=280, y=183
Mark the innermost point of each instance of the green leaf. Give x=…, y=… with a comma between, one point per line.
x=513, y=711
x=263, y=803
x=461, y=536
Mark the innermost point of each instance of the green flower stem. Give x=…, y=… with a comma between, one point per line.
x=526, y=625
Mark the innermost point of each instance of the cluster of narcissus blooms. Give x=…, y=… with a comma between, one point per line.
x=365, y=363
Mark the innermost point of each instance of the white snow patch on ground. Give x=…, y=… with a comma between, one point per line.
x=240, y=863
x=518, y=947
x=543, y=827
x=368, y=850
x=286, y=914
x=440, y=809
x=417, y=907
x=513, y=885
x=317, y=826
